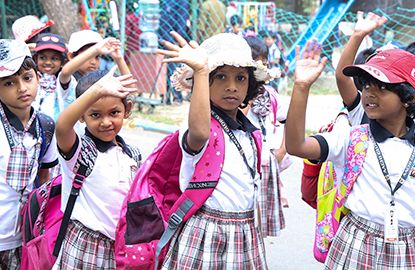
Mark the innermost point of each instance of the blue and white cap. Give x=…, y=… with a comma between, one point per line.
x=12, y=54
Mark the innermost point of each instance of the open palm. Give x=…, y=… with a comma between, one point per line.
x=368, y=24
x=309, y=66
x=185, y=52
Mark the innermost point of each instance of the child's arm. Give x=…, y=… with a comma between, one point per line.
x=106, y=46
x=363, y=28
x=116, y=55
x=308, y=69
x=106, y=86
x=199, y=112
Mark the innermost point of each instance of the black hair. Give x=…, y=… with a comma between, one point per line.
x=83, y=48
x=411, y=48
x=89, y=79
x=267, y=34
x=360, y=59
x=258, y=47
x=253, y=85
x=405, y=91
x=235, y=19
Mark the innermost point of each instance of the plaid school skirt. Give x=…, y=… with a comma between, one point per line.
x=269, y=199
x=213, y=239
x=10, y=259
x=359, y=244
x=85, y=249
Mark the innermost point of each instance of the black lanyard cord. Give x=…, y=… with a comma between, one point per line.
x=385, y=172
x=237, y=144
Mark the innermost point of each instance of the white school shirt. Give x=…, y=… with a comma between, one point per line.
x=10, y=235
x=99, y=202
x=52, y=103
x=235, y=190
x=272, y=139
x=371, y=194
x=356, y=111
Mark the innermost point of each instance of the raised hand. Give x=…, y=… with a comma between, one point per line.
x=120, y=86
x=108, y=46
x=185, y=52
x=367, y=25
x=309, y=66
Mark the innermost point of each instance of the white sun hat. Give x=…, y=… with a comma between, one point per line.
x=12, y=54
x=28, y=26
x=222, y=49
x=79, y=39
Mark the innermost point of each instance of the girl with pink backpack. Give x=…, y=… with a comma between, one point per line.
x=223, y=77
x=378, y=230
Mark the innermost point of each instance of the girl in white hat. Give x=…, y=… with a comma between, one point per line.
x=223, y=77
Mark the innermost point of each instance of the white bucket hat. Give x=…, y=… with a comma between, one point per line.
x=222, y=49
x=81, y=38
x=28, y=26
x=12, y=54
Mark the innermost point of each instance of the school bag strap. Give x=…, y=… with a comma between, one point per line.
x=203, y=182
x=82, y=169
x=47, y=129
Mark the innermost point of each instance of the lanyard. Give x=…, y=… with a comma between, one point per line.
x=262, y=126
x=385, y=172
x=11, y=140
x=237, y=144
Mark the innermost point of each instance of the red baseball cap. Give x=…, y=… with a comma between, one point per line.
x=389, y=66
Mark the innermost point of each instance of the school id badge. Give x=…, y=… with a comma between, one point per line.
x=391, y=225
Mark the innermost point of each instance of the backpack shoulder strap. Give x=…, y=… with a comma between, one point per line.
x=47, y=128
x=82, y=169
x=134, y=153
x=203, y=182
x=356, y=154
x=257, y=135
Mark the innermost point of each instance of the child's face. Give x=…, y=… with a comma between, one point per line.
x=105, y=117
x=229, y=87
x=90, y=65
x=18, y=91
x=49, y=61
x=382, y=104
x=269, y=41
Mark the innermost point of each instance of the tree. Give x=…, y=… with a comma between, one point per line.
x=65, y=14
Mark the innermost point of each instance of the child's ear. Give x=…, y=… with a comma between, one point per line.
x=128, y=109
x=70, y=55
x=82, y=119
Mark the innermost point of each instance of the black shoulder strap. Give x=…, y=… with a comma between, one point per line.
x=47, y=128
x=83, y=169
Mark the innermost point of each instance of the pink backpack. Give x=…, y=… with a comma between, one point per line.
x=44, y=224
x=155, y=207
x=332, y=193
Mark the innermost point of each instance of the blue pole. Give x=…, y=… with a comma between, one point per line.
x=88, y=14
x=122, y=26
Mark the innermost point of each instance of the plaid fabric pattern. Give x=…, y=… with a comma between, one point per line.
x=18, y=171
x=269, y=199
x=359, y=244
x=213, y=239
x=10, y=259
x=85, y=249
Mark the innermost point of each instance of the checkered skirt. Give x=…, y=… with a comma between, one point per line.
x=85, y=249
x=10, y=259
x=213, y=239
x=359, y=244
x=269, y=198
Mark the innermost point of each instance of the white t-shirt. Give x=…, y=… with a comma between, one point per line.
x=53, y=102
x=10, y=235
x=99, y=203
x=371, y=194
x=236, y=190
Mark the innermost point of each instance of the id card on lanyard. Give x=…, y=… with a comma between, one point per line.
x=391, y=220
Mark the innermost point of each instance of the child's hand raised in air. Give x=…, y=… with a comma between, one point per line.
x=107, y=46
x=365, y=26
x=185, y=52
x=309, y=66
x=120, y=86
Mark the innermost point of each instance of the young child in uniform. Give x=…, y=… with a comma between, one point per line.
x=266, y=111
x=101, y=104
x=224, y=233
x=379, y=231
x=21, y=136
x=50, y=56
